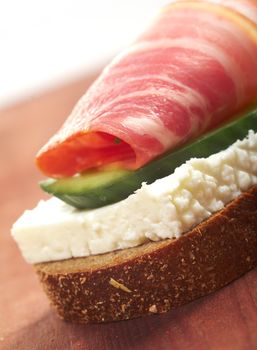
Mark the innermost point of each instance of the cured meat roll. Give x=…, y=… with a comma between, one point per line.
x=174, y=83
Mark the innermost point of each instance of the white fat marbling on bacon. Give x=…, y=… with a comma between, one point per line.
x=152, y=127
x=187, y=99
x=211, y=26
x=191, y=96
x=209, y=49
x=190, y=71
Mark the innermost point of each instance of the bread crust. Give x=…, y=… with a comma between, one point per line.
x=157, y=276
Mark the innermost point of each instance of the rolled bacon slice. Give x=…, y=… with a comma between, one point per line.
x=193, y=69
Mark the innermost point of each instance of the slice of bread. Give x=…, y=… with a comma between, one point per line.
x=157, y=276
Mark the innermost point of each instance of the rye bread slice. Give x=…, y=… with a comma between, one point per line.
x=157, y=276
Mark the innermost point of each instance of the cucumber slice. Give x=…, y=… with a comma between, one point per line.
x=96, y=189
x=89, y=190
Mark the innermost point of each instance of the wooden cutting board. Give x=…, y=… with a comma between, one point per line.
x=225, y=320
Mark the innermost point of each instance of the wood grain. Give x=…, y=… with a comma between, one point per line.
x=224, y=320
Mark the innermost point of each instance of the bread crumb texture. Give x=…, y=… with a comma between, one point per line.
x=157, y=276
x=118, y=285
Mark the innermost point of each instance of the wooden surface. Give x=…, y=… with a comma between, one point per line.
x=224, y=320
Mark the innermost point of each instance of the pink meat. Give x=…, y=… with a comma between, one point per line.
x=192, y=69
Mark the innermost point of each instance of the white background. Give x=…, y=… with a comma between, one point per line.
x=45, y=43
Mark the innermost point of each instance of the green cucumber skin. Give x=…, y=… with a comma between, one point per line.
x=121, y=188
x=84, y=183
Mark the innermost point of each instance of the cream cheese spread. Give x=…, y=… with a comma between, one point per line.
x=164, y=209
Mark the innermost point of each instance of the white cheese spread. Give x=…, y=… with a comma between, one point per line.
x=165, y=209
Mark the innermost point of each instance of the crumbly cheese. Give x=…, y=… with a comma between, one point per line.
x=165, y=209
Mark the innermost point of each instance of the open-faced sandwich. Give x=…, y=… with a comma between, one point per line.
x=154, y=174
